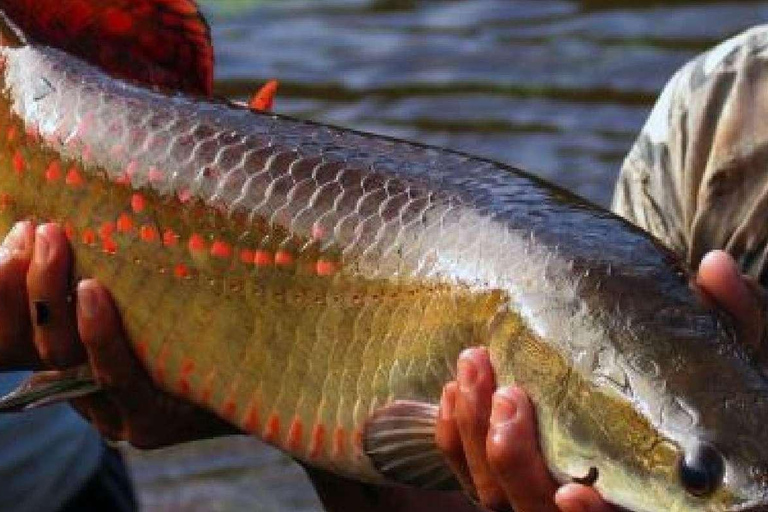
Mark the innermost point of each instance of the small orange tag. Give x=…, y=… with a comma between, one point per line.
x=265, y=97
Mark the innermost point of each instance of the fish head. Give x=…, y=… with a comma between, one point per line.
x=698, y=416
x=722, y=462
x=663, y=407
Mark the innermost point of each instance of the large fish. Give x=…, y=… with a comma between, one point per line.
x=314, y=285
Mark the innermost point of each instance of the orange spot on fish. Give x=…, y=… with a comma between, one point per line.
x=283, y=258
x=170, y=238
x=124, y=223
x=229, y=409
x=295, y=432
x=109, y=246
x=160, y=364
x=12, y=134
x=357, y=440
x=74, y=179
x=317, y=441
x=142, y=350
x=18, y=163
x=53, y=172
x=252, y=417
x=325, y=268
x=272, y=431
x=262, y=258
x=196, y=243
x=246, y=256
x=207, y=392
x=148, y=233
x=221, y=249
x=138, y=203
x=88, y=236
x=106, y=229
x=69, y=231
x=338, y=443
x=181, y=270
x=187, y=367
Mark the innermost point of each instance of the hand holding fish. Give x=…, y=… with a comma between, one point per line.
x=40, y=325
x=488, y=434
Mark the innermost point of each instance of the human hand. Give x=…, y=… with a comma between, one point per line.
x=43, y=325
x=489, y=435
x=490, y=439
x=739, y=295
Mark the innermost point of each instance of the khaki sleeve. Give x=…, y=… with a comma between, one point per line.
x=697, y=176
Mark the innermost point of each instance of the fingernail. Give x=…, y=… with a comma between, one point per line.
x=17, y=239
x=42, y=247
x=447, y=402
x=42, y=312
x=88, y=301
x=723, y=261
x=467, y=373
x=504, y=409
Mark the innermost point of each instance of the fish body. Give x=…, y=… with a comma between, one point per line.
x=314, y=286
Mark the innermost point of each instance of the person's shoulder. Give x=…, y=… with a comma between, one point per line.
x=749, y=44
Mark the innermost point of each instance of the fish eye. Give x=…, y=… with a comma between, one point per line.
x=702, y=470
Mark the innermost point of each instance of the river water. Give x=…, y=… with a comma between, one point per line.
x=557, y=87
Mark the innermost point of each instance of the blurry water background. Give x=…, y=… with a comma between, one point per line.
x=557, y=87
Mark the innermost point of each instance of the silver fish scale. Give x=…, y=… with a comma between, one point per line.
x=261, y=170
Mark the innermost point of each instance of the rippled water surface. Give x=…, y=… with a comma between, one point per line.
x=556, y=87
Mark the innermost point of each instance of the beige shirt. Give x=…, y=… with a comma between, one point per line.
x=697, y=176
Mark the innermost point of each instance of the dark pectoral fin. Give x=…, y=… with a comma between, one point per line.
x=47, y=388
x=400, y=440
x=158, y=42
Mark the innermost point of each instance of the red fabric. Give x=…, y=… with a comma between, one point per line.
x=159, y=42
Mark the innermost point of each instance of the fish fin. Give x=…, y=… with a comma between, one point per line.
x=49, y=387
x=164, y=43
x=399, y=439
x=264, y=98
